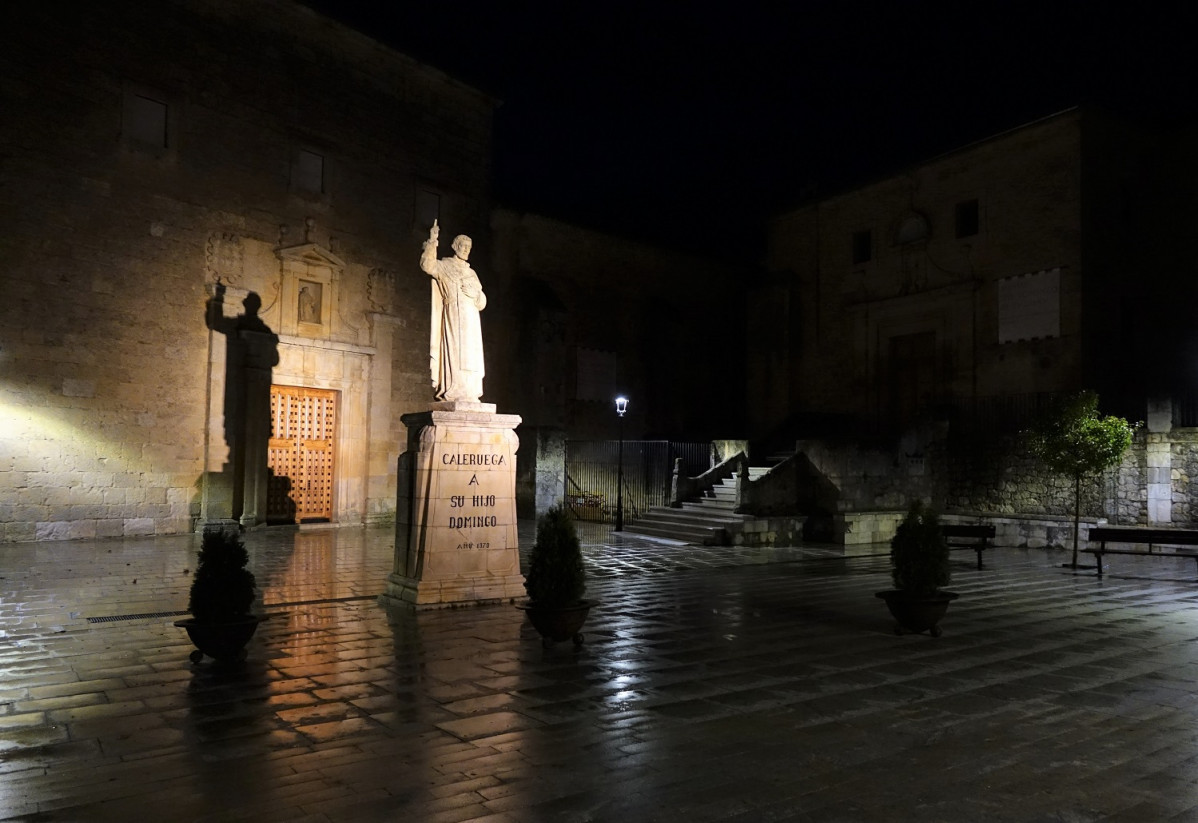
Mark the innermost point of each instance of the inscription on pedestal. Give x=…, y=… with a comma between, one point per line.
x=456, y=536
x=473, y=512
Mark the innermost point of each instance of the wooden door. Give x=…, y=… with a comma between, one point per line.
x=303, y=429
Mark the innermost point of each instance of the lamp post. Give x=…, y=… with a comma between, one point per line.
x=621, y=407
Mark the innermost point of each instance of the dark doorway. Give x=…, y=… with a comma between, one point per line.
x=912, y=372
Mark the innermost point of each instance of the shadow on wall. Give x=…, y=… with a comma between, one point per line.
x=239, y=489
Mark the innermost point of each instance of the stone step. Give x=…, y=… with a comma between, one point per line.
x=712, y=504
x=687, y=534
x=701, y=516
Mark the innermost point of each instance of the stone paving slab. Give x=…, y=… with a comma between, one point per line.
x=715, y=685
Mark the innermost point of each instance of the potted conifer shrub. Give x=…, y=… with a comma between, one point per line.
x=556, y=579
x=919, y=567
x=222, y=592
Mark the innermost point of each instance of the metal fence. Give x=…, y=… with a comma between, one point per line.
x=1000, y=414
x=1185, y=409
x=593, y=465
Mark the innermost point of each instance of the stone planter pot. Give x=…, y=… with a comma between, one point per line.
x=221, y=641
x=558, y=623
x=917, y=614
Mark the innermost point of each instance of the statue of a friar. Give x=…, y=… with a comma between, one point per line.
x=456, y=346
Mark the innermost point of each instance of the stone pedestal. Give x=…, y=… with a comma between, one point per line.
x=455, y=519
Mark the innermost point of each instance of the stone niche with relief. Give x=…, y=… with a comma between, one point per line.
x=455, y=539
x=308, y=297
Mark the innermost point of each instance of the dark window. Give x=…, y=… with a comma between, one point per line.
x=308, y=172
x=145, y=121
x=862, y=247
x=428, y=208
x=967, y=218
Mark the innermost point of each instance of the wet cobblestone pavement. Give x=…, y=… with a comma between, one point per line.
x=715, y=684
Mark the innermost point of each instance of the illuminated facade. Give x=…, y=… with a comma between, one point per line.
x=213, y=310
x=157, y=156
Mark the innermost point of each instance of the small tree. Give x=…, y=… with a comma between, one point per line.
x=919, y=553
x=556, y=576
x=223, y=588
x=1074, y=440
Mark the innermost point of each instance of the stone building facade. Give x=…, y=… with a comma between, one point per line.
x=939, y=309
x=153, y=156
x=212, y=220
x=1041, y=260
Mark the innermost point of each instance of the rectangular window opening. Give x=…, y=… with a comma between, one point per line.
x=307, y=172
x=862, y=247
x=428, y=208
x=967, y=218
x=145, y=120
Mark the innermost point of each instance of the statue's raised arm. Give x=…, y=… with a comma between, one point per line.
x=428, y=258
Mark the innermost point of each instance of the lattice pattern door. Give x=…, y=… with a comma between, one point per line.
x=303, y=425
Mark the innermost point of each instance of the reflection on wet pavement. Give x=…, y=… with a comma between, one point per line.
x=715, y=684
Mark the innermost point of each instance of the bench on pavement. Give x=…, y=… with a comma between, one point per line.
x=974, y=536
x=1130, y=536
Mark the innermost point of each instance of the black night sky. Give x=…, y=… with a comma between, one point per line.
x=686, y=124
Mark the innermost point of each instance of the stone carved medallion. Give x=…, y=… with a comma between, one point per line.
x=224, y=257
x=380, y=290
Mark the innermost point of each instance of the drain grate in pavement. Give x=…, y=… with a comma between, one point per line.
x=119, y=618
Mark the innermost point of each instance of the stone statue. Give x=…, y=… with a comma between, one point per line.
x=308, y=310
x=456, y=346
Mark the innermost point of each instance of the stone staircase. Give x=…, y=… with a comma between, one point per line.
x=702, y=520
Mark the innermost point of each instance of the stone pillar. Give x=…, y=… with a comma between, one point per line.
x=551, y=468
x=1159, y=455
x=541, y=471
x=455, y=519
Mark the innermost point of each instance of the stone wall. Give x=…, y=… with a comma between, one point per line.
x=997, y=481
x=110, y=398
x=1000, y=478
x=880, y=479
x=114, y=395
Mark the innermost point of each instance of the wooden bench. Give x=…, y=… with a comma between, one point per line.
x=1131, y=536
x=974, y=536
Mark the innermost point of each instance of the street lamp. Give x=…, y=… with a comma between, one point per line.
x=621, y=407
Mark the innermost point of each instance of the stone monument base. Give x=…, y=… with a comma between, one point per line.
x=455, y=533
x=445, y=594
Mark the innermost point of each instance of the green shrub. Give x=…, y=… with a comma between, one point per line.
x=555, y=572
x=1073, y=439
x=919, y=553
x=223, y=588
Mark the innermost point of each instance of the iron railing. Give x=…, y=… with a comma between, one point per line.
x=592, y=467
x=1185, y=409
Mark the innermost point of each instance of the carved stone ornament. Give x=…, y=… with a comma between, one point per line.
x=224, y=257
x=380, y=290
